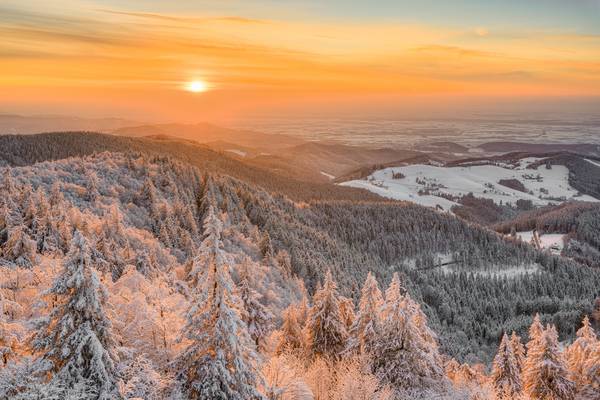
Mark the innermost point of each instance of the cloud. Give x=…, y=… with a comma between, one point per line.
x=193, y=20
x=510, y=76
x=114, y=47
x=29, y=28
x=452, y=50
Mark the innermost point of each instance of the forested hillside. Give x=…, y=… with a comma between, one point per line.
x=25, y=150
x=132, y=269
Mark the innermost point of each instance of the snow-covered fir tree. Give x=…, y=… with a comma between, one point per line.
x=283, y=381
x=256, y=316
x=327, y=334
x=506, y=377
x=76, y=338
x=535, y=331
x=427, y=334
x=364, y=330
x=141, y=380
x=347, y=312
x=220, y=362
x=291, y=335
x=7, y=338
x=45, y=230
x=19, y=248
x=211, y=249
x=91, y=180
x=578, y=353
x=303, y=306
x=148, y=194
x=545, y=376
x=265, y=245
x=402, y=354
x=518, y=350
x=589, y=385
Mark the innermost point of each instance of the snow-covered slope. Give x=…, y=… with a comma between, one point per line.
x=424, y=184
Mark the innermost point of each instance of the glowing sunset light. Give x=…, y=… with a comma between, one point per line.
x=197, y=87
x=243, y=57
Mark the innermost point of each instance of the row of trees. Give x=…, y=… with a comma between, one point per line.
x=234, y=280
x=545, y=371
x=388, y=333
x=225, y=329
x=77, y=354
x=467, y=307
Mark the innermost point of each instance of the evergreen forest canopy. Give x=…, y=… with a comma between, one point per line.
x=144, y=268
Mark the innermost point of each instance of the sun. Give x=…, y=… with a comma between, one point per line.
x=196, y=86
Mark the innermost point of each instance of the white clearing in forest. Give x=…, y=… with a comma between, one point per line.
x=238, y=152
x=327, y=175
x=552, y=241
x=543, y=185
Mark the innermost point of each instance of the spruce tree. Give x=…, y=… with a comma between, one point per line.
x=404, y=354
x=545, y=376
x=505, y=377
x=347, y=312
x=595, y=311
x=265, y=246
x=303, y=306
x=578, y=353
x=7, y=338
x=19, y=248
x=589, y=386
x=211, y=249
x=518, y=350
x=77, y=337
x=326, y=328
x=5, y=220
x=257, y=317
x=30, y=209
x=427, y=334
x=535, y=331
x=364, y=330
x=147, y=196
x=91, y=187
x=220, y=361
x=291, y=335
x=46, y=237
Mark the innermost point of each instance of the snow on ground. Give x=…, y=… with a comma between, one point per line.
x=238, y=152
x=552, y=241
x=446, y=266
x=327, y=175
x=512, y=272
x=401, y=192
x=596, y=163
x=544, y=185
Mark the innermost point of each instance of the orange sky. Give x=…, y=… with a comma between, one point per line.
x=107, y=61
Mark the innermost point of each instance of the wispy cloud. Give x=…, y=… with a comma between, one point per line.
x=452, y=51
x=157, y=51
x=181, y=19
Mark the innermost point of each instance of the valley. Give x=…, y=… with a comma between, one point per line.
x=141, y=206
x=299, y=200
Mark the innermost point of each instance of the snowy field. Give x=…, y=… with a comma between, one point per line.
x=237, y=152
x=543, y=185
x=552, y=241
x=327, y=175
